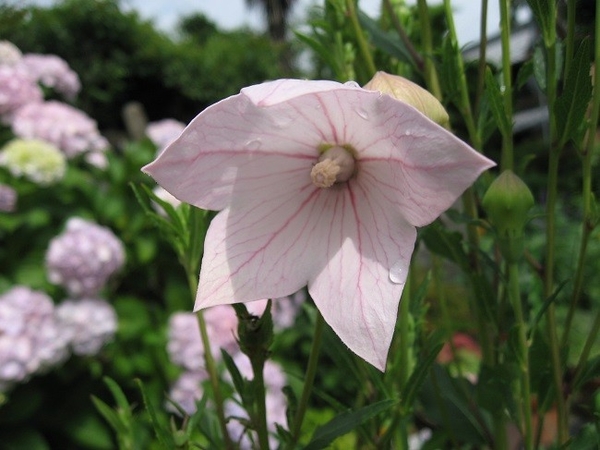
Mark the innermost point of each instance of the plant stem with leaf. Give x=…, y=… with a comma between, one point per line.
x=309, y=379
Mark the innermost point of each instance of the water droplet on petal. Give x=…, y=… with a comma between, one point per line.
x=352, y=84
x=407, y=133
x=362, y=113
x=254, y=144
x=398, y=272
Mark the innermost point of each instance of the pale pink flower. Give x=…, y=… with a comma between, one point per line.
x=53, y=72
x=10, y=54
x=8, y=198
x=69, y=128
x=321, y=184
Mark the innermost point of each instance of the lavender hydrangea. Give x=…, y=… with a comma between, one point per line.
x=84, y=257
x=53, y=72
x=30, y=339
x=10, y=55
x=34, y=159
x=8, y=198
x=70, y=129
x=163, y=132
x=17, y=88
x=187, y=390
x=184, y=344
x=88, y=323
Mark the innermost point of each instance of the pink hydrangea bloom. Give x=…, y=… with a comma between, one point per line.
x=88, y=324
x=187, y=390
x=30, y=339
x=84, y=257
x=17, y=88
x=70, y=129
x=163, y=132
x=321, y=184
x=52, y=71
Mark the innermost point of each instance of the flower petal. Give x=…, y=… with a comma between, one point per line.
x=425, y=167
x=353, y=290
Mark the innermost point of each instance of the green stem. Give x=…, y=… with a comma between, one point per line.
x=507, y=162
x=213, y=376
x=405, y=341
x=430, y=73
x=552, y=193
x=523, y=356
x=309, y=379
x=363, y=46
x=464, y=102
x=260, y=418
x=417, y=58
x=587, y=348
x=482, y=64
x=570, y=41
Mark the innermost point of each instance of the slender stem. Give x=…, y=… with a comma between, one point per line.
x=464, y=101
x=482, y=64
x=552, y=195
x=309, y=378
x=430, y=73
x=363, y=46
x=260, y=418
x=507, y=162
x=514, y=293
x=587, y=348
x=404, y=329
x=417, y=58
x=213, y=376
x=570, y=41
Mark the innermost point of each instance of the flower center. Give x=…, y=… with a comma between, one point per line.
x=335, y=165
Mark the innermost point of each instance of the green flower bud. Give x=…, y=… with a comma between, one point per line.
x=507, y=203
x=255, y=334
x=406, y=91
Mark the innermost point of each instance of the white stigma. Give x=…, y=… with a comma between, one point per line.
x=335, y=165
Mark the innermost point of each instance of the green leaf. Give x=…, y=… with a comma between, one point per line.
x=496, y=102
x=241, y=386
x=590, y=371
x=110, y=416
x=164, y=437
x=419, y=374
x=494, y=388
x=389, y=42
x=572, y=104
x=542, y=11
x=445, y=243
x=344, y=423
x=544, y=307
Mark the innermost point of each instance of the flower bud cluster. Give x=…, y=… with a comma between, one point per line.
x=84, y=257
x=70, y=129
x=88, y=324
x=34, y=159
x=53, y=72
x=30, y=339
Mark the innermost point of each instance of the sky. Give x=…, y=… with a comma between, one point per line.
x=229, y=14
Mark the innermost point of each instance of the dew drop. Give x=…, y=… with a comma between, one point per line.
x=407, y=133
x=352, y=84
x=398, y=272
x=254, y=144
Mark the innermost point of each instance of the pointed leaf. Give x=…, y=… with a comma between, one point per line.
x=344, y=423
x=110, y=416
x=388, y=42
x=164, y=437
x=572, y=104
x=495, y=96
x=417, y=378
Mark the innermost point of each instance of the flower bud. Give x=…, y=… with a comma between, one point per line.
x=507, y=202
x=406, y=91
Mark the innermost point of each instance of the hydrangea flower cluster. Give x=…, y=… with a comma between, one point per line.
x=34, y=159
x=163, y=132
x=70, y=129
x=8, y=198
x=30, y=339
x=84, y=257
x=88, y=324
x=53, y=72
x=17, y=88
